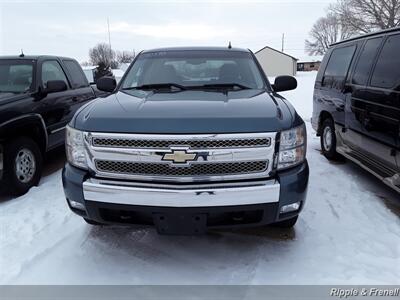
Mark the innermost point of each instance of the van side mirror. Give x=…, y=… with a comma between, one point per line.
x=106, y=84
x=284, y=83
x=55, y=86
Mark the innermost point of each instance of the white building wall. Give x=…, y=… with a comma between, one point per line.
x=275, y=63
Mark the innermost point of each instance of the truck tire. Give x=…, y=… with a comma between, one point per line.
x=289, y=223
x=328, y=140
x=22, y=165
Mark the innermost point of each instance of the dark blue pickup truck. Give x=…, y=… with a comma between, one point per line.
x=190, y=139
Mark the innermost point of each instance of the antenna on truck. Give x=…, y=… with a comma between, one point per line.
x=22, y=53
x=230, y=45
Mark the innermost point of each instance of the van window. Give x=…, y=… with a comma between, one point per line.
x=364, y=64
x=338, y=65
x=387, y=70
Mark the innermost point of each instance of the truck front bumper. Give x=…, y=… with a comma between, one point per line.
x=186, y=208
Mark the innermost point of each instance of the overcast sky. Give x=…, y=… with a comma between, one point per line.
x=70, y=28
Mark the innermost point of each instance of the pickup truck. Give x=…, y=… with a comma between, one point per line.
x=191, y=139
x=38, y=97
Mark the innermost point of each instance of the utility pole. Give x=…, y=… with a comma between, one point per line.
x=109, y=35
x=283, y=42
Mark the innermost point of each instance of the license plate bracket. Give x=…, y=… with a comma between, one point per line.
x=180, y=224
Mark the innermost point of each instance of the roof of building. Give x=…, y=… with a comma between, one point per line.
x=368, y=35
x=283, y=53
x=309, y=62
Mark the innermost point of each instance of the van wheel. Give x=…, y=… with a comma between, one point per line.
x=328, y=140
x=289, y=223
x=22, y=165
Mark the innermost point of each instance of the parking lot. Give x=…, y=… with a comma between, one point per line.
x=348, y=233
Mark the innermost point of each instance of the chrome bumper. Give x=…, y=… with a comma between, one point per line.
x=166, y=195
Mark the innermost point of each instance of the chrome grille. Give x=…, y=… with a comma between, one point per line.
x=218, y=156
x=192, y=144
x=162, y=169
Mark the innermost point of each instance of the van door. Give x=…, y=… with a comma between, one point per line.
x=356, y=92
x=382, y=111
x=328, y=93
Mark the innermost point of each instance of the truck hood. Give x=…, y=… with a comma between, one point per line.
x=186, y=112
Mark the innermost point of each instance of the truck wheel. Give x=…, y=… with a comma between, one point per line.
x=22, y=165
x=91, y=222
x=289, y=223
x=328, y=140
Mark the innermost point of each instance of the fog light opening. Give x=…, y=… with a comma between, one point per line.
x=290, y=208
x=76, y=205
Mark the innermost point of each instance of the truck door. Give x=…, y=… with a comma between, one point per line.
x=82, y=90
x=55, y=108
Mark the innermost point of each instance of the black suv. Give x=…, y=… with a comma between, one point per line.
x=38, y=97
x=357, y=103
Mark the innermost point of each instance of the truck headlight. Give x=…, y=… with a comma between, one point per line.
x=75, y=148
x=292, y=147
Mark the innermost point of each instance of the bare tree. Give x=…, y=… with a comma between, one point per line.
x=365, y=16
x=102, y=54
x=326, y=31
x=125, y=56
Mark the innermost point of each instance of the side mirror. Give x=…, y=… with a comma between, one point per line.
x=54, y=86
x=284, y=83
x=106, y=84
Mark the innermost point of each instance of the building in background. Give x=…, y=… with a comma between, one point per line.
x=276, y=63
x=307, y=66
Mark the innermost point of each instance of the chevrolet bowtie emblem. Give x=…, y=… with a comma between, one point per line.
x=179, y=156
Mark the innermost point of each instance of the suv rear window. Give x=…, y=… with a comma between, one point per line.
x=387, y=69
x=364, y=64
x=338, y=66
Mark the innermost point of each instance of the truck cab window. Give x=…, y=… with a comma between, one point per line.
x=387, y=70
x=78, y=78
x=15, y=77
x=338, y=66
x=51, y=70
x=365, y=62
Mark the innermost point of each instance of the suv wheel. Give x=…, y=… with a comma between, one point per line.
x=328, y=140
x=22, y=165
x=289, y=223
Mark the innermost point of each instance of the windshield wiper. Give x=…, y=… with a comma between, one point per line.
x=225, y=86
x=156, y=86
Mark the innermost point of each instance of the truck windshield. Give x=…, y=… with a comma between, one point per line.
x=16, y=76
x=197, y=69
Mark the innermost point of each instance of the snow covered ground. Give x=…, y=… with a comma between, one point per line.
x=348, y=233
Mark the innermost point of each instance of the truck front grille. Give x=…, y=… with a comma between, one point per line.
x=162, y=169
x=181, y=158
x=192, y=144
